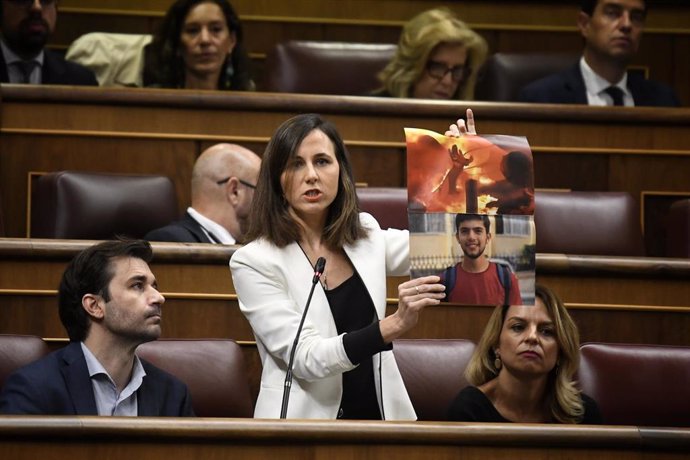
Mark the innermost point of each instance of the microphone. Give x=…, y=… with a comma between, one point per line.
x=318, y=271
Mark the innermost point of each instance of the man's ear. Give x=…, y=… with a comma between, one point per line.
x=231, y=191
x=583, y=23
x=93, y=304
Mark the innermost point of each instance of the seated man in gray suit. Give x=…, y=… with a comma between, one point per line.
x=109, y=303
x=223, y=182
x=26, y=26
x=612, y=30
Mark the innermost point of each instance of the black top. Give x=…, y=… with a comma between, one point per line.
x=354, y=314
x=471, y=405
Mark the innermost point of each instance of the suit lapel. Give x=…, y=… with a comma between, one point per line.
x=53, y=69
x=77, y=380
x=147, y=398
x=575, y=85
x=194, y=228
x=641, y=96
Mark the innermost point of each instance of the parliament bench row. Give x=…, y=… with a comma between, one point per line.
x=641, y=151
x=83, y=205
x=541, y=27
x=633, y=384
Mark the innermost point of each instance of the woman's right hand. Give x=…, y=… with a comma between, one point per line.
x=414, y=295
x=460, y=128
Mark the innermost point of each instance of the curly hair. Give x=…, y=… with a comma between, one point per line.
x=562, y=395
x=164, y=65
x=419, y=37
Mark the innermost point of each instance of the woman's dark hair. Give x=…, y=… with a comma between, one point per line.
x=270, y=217
x=90, y=272
x=164, y=65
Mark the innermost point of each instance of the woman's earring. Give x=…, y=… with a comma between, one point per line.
x=497, y=362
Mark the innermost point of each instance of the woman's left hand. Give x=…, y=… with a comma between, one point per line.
x=460, y=128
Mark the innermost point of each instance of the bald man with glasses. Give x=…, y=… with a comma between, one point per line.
x=25, y=27
x=223, y=182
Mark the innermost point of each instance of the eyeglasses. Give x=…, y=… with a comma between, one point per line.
x=27, y=3
x=439, y=70
x=243, y=182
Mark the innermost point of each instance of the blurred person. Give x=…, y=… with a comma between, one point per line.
x=612, y=30
x=515, y=193
x=109, y=304
x=223, y=182
x=25, y=27
x=199, y=46
x=524, y=366
x=438, y=57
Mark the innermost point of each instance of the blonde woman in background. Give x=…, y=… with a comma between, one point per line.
x=438, y=57
x=524, y=368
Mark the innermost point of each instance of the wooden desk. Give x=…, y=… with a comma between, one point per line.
x=76, y=438
x=613, y=299
x=163, y=131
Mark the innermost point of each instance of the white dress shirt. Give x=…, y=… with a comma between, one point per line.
x=213, y=230
x=595, y=86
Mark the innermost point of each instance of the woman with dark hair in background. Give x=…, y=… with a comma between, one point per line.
x=524, y=366
x=199, y=46
x=305, y=207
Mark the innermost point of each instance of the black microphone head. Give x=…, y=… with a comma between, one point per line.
x=320, y=265
x=318, y=270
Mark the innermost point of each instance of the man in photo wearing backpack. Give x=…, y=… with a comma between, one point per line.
x=476, y=280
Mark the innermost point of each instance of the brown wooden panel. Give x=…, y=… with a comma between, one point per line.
x=175, y=438
x=22, y=154
x=219, y=318
x=149, y=131
x=571, y=171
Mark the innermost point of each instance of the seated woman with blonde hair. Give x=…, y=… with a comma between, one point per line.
x=523, y=368
x=438, y=57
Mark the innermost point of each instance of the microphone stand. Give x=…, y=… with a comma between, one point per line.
x=318, y=271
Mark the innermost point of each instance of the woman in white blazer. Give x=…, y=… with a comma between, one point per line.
x=305, y=207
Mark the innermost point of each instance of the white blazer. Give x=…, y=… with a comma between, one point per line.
x=273, y=285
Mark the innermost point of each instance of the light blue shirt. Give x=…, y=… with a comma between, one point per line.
x=108, y=400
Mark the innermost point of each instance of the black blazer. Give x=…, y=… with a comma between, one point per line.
x=56, y=71
x=59, y=384
x=568, y=87
x=186, y=230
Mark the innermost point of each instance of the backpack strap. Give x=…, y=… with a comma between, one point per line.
x=503, y=272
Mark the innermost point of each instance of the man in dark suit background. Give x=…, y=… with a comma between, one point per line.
x=612, y=30
x=109, y=304
x=223, y=182
x=26, y=26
